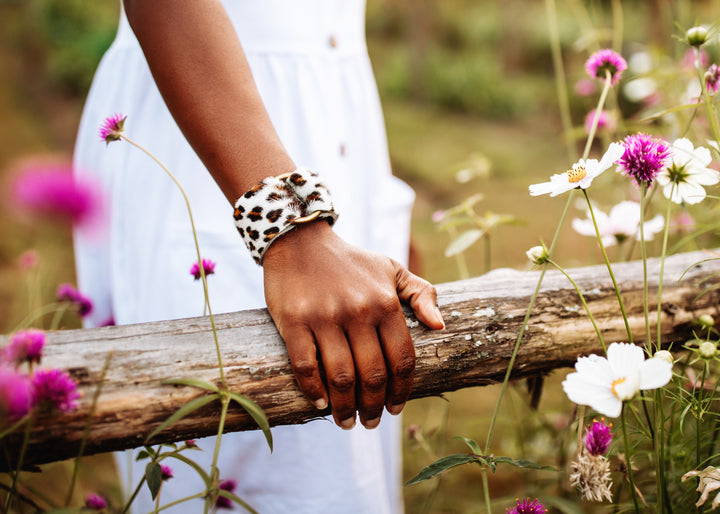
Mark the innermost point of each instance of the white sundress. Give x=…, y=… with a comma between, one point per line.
x=310, y=62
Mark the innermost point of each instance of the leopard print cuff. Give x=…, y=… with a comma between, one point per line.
x=278, y=204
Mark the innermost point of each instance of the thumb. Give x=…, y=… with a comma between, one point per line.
x=421, y=296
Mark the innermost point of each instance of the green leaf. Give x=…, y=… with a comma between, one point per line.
x=183, y=411
x=203, y=474
x=193, y=382
x=153, y=477
x=441, y=465
x=256, y=413
x=463, y=242
x=236, y=499
x=522, y=463
x=472, y=444
x=144, y=454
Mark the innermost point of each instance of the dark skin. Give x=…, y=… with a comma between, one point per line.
x=322, y=293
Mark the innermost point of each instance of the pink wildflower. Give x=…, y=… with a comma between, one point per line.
x=28, y=260
x=597, y=437
x=166, y=472
x=605, y=121
x=95, y=502
x=68, y=293
x=712, y=79
x=689, y=61
x=15, y=394
x=226, y=485
x=527, y=506
x=644, y=157
x=208, y=266
x=585, y=87
x=603, y=61
x=55, y=192
x=55, y=388
x=112, y=128
x=24, y=346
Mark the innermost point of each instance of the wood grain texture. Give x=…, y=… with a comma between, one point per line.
x=483, y=317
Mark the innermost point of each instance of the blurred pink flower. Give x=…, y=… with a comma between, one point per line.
x=166, y=472
x=527, y=506
x=24, y=346
x=55, y=388
x=603, y=61
x=68, y=293
x=28, y=260
x=208, y=266
x=95, y=502
x=585, y=87
x=606, y=122
x=15, y=394
x=689, y=60
x=54, y=192
x=712, y=79
x=226, y=485
x=112, y=128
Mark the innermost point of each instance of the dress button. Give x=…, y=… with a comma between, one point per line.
x=342, y=149
x=332, y=41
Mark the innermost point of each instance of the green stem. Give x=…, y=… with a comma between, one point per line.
x=214, y=473
x=617, y=14
x=628, y=458
x=708, y=98
x=181, y=500
x=582, y=299
x=197, y=250
x=601, y=102
x=21, y=457
x=133, y=495
x=663, y=256
x=609, y=267
x=643, y=252
x=486, y=491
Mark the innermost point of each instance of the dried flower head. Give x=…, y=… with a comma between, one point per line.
x=598, y=437
x=95, y=502
x=67, y=293
x=208, y=267
x=112, y=128
x=54, y=388
x=15, y=394
x=643, y=158
x=24, y=346
x=709, y=482
x=591, y=477
x=606, y=61
x=226, y=485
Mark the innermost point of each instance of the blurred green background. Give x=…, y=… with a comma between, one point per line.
x=461, y=81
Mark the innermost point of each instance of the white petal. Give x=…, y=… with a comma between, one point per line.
x=596, y=369
x=583, y=227
x=705, y=176
x=655, y=373
x=654, y=226
x=625, y=358
x=614, y=152
x=691, y=193
x=663, y=178
x=607, y=405
x=583, y=392
x=558, y=184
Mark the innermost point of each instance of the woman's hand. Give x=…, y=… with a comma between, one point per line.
x=339, y=304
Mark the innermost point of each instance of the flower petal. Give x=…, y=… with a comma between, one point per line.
x=625, y=358
x=654, y=373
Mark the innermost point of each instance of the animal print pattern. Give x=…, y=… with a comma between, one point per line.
x=271, y=208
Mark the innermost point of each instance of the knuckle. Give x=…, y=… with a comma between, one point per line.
x=375, y=381
x=342, y=382
x=304, y=369
x=405, y=366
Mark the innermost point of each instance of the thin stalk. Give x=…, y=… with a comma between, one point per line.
x=486, y=491
x=643, y=252
x=37, y=314
x=582, y=299
x=708, y=99
x=609, y=267
x=133, y=495
x=663, y=255
x=225, y=402
x=628, y=458
x=197, y=250
x=57, y=317
x=617, y=15
x=21, y=457
x=487, y=252
x=601, y=102
x=460, y=257
x=581, y=424
x=181, y=500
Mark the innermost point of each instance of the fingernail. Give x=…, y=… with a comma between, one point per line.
x=372, y=423
x=347, y=424
x=396, y=409
x=439, y=316
x=321, y=404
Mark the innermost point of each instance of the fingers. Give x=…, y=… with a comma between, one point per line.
x=421, y=296
x=400, y=357
x=301, y=348
x=339, y=373
x=372, y=376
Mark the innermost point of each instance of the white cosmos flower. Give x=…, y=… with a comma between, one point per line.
x=580, y=175
x=622, y=222
x=686, y=174
x=605, y=383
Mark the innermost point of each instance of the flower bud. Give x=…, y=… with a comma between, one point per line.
x=537, y=254
x=664, y=355
x=696, y=36
x=706, y=320
x=707, y=350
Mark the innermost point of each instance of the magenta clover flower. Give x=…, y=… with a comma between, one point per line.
x=55, y=388
x=527, y=506
x=597, y=437
x=208, y=266
x=226, y=485
x=712, y=79
x=24, y=346
x=644, y=157
x=112, y=128
x=166, y=472
x=95, y=502
x=68, y=293
x=55, y=192
x=603, y=61
x=15, y=394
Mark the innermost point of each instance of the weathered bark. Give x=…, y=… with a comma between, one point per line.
x=483, y=316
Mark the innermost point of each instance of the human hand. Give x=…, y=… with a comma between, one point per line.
x=341, y=304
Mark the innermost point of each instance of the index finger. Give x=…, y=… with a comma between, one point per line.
x=400, y=357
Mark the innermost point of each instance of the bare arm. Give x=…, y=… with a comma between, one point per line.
x=322, y=293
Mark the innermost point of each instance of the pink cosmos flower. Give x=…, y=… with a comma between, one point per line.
x=53, y=191
x=112, y=128
x=527, y=506
x=55, y=388
x=15, y=394
x=644, y=157
x=68, y=293
x=208, y=266
x=585, y=87
x=95, y=502
x=166, y=472
x=689, y=60
x=712, y=79
x=597, y=437
x=24, y=346
x=605, y=121
x=226, y=485
x=603, y=61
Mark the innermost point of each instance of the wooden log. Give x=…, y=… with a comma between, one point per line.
x=483, y=317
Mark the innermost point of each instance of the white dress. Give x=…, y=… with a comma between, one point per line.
x=310, y=62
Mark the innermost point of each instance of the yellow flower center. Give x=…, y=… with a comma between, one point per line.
x=576, y=174
x=617, y=383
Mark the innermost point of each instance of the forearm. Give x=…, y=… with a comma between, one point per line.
x=200, y=68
